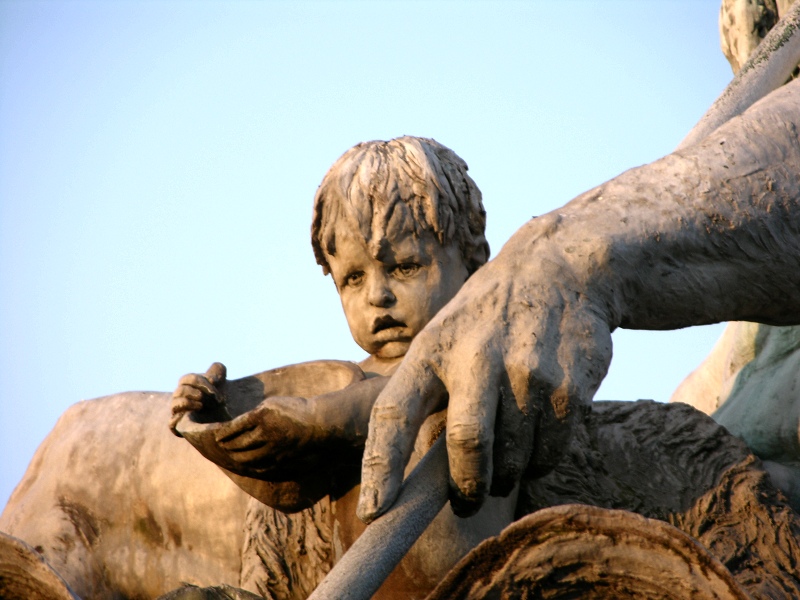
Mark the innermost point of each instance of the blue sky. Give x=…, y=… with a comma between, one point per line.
x=158, y=161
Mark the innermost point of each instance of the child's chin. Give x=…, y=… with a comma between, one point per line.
x=396, y=349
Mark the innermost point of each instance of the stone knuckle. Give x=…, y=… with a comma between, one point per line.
x=391, y=413
x=374, y=462
x=183, y=391
x=467, y=436
x=187, y=379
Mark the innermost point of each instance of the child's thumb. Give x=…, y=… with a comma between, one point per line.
x=216, y=373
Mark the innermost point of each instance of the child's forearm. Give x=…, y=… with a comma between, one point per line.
x=344, y=414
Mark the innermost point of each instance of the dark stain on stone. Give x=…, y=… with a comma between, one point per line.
x=148, y=528
x=65, y=543
x=85, y=523
x=175, y=534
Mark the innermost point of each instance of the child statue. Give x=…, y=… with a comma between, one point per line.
x=399, y=226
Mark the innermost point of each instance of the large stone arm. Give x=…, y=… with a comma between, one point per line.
x=707, y=234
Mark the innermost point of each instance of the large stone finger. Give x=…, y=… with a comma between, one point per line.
x=471, y=413
x=513, y=443
x=409, y=397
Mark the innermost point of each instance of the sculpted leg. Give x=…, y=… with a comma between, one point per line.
x=121, y=507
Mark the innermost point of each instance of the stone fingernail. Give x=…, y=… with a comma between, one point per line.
x=368, y=503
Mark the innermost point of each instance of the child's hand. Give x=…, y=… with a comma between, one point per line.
x=198, y=393
x=285, y=436
x=276, y=437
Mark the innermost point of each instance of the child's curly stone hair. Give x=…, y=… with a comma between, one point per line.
x=415, y=180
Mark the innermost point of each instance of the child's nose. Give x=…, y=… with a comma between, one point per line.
x=380, y=293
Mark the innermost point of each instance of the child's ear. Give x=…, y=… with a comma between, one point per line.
x=479, y=257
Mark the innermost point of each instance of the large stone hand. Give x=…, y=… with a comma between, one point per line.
x=521, y=351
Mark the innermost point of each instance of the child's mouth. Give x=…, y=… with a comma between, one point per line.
x=387, y=322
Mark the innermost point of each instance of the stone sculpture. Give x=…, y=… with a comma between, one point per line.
x=618, y=256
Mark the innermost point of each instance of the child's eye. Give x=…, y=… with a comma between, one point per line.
x=405, y=269
x=354, y=278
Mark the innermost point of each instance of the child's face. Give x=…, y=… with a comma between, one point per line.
x=389, y=298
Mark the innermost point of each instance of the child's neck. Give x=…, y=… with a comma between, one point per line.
x=374, y=366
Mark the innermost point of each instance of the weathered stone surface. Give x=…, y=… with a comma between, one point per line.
x=579, y=551
x=750, y=379
x=742, y=25
x=709, y=385
x=399, y=225
x=273, y=434
x=671, y=462
x=667, y=462
x=25, y=574
x=217, y=592
x=521, y=352
x=122, y=508
x=761, y=401
x=286, y=556
x=750, y=383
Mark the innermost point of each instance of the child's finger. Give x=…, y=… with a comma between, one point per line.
x=189, y=392
x=198, y=381
x=183, y=405
x=173, y=423
x=241, y=439
x=216, y=373
x=180, y=406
